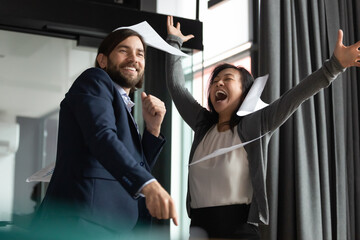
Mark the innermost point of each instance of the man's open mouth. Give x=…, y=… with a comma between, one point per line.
x=130, y=69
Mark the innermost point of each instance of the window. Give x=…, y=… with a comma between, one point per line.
x=227, y=37
x=35, y=73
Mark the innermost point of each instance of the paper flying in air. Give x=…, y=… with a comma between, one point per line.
x=43, y=175
x=152, y=38
x=252, y=101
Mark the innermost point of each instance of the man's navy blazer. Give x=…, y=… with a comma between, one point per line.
x=102, y=161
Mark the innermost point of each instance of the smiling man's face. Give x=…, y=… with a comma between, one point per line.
x=126, y=63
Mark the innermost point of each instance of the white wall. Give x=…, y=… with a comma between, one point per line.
x=7, y=173
x=7, y=163
x=183, y=8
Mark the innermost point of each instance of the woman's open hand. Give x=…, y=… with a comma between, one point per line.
x=347, y=55
x=171, y=29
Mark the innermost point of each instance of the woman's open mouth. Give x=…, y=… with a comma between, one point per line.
x=220, y=95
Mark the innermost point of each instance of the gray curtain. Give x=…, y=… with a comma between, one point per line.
x=313, y=173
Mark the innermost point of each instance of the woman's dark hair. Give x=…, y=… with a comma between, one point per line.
x=246, y=82
x=113, y=39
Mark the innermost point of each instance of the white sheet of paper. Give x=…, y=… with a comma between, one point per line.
x=221, y=151
x=252, y=101
x=43, y=175
x=153, y=39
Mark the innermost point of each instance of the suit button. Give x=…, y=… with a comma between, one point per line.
x=141, y=163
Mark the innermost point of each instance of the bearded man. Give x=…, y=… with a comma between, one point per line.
x=101, y=184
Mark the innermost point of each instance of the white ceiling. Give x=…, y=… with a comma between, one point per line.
x=36, y=72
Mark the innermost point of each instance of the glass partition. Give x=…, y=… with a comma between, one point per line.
x=35, y=73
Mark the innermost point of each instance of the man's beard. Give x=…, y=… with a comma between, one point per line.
x=124, y=81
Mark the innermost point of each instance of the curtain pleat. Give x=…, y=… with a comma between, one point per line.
x=314, y=160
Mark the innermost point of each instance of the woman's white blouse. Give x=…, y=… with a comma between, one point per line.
x=222, y=180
